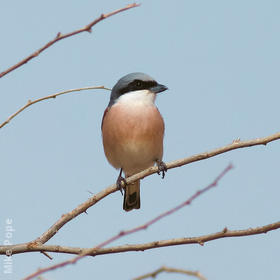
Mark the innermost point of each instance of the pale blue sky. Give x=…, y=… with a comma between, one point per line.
x=220, y=61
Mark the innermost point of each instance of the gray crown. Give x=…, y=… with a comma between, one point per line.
x=132, y=82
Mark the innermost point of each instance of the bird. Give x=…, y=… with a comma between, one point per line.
x=133, y=131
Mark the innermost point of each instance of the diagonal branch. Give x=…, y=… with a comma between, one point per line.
x=36, y=245
x=99, y=196
x=236, y=144
x=60, y=36
x=29, y=102
x=121, y=234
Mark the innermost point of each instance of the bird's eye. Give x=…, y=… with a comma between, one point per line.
x=138, y=83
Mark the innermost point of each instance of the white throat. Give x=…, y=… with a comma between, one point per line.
x=143, y=97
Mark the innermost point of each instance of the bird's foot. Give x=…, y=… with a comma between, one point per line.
x=161, y=168
x=121, y=182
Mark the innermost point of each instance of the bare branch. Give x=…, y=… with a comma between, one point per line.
x=37, y=244
x=99, y=196
x=60, y=36
x=88, y=252
x=196, y=274
x=82, y=208
x=236, y=144
x=200, y=240
x=29, y=102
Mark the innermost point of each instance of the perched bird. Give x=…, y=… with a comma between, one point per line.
x=132, y=131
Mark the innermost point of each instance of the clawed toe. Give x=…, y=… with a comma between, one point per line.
x=161, y=168
x=121, y=182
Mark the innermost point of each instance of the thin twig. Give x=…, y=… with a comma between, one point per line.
x=153, y=274
x=29, y=102
x=60, y=36
x=46, y=254
x=133, y=230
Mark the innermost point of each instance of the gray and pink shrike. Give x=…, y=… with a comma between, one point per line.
x=133, y=131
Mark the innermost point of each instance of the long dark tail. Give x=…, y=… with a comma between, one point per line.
x=132, y=196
